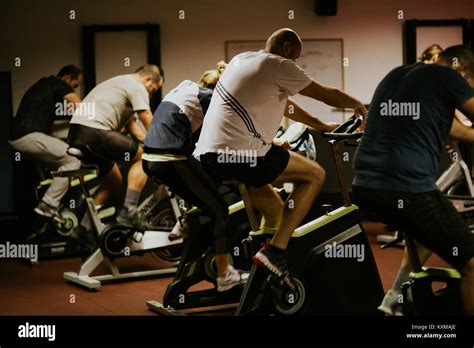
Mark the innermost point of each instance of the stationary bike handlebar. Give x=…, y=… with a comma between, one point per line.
x=346, y=130
x=295, y=133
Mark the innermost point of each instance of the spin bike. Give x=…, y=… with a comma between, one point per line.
x=51, y=234
x=117, y=240
x=456, y=184
x=320, y=275
x=198, y=263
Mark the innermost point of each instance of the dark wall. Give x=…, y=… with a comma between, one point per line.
x=6, y=170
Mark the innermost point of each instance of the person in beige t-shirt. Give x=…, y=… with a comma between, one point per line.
x=95, y=130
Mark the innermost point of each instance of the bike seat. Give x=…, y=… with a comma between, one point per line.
x=246, y=199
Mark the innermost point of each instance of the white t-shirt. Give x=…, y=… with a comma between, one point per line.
x=111, y=104
x=249, y=102
x=186, y=97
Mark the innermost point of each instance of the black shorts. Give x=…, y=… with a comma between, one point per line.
x=428, y=217
x=256, y=172
x=188, y=180
x=102, y=147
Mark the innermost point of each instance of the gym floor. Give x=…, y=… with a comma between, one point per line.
x=41, y=290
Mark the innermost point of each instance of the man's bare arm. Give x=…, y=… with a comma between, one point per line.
x=461, y=118
x=136, y=130
x=334, y=97
x=145, y=116
x=461, y=132
x=72, y=98
x=468, y=108
x=298, y=114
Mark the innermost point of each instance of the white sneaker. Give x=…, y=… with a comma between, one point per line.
x=137, y=237
x=231, y=279
x=390, y=305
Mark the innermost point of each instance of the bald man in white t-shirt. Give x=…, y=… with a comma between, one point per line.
x=237, y=135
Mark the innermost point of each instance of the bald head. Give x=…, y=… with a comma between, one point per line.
x=284, y=42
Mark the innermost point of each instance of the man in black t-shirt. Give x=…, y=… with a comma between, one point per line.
x=396, y=165
x=43, y=103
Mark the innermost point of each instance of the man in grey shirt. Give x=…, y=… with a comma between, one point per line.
x=95, y=129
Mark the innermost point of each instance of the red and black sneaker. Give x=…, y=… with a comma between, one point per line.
x=276, y=262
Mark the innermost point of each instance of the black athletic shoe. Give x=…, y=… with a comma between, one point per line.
x=277, y=264
x=46, y=210
x=134, y=220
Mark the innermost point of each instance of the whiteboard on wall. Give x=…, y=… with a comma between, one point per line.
x=322, y=59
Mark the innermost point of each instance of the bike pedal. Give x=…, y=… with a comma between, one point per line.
x=59, y=219
x=137, y=237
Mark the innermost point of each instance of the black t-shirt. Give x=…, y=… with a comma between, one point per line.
x=37, y=110
x=409, y=118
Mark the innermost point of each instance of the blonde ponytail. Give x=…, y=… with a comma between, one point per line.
x=210, y=78
x=221, y=67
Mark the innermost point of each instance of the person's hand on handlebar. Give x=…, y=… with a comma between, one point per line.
x=284, y=144
x=329, y=127
x=361, y=111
